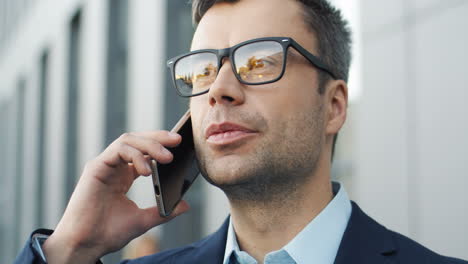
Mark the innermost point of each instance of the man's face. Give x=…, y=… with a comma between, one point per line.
x=264, y=135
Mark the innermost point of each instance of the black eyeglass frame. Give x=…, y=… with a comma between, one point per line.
x=285, y=42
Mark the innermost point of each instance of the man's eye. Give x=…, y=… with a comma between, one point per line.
x=257, y=63
x=207, y=71
x=263, y=63
x=268, y=63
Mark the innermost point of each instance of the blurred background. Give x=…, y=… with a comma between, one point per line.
x=76, y=74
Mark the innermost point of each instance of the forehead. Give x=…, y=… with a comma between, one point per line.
x=227, y=24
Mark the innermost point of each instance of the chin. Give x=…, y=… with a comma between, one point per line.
x=228, y=170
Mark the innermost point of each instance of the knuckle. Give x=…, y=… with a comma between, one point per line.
x=160, y=135
x=162, y=149
x=120, y=146
x=139, y=155
x=125, y=136
x=154, y=145
x=135, y=154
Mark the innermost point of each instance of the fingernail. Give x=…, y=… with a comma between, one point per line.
x=166, y=152
x=174, y=135
x=148, y=167
x=178, y=211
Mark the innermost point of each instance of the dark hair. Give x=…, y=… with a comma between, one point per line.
x=326, y=22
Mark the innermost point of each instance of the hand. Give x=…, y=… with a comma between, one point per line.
x=99, y=218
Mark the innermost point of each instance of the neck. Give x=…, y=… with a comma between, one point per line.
x=262, y=227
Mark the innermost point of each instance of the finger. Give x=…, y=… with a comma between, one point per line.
x=166, y=138
x=133, y=171
x=149, y=146
x=138, y=160
x=148, y=159
x=150, y=216
x=114, y=155
x=122, y=154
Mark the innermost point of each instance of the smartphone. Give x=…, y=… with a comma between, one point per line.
x=171, y=181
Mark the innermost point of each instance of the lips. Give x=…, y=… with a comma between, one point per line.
x=225, y=133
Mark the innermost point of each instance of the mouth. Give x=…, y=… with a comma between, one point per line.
x=227, y=133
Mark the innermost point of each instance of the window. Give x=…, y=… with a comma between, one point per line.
x=3, y=181
x=41, y=133
x=8, y=132
x=71, y=135
x=116, y=102
x=19, y=173
x=116, y=87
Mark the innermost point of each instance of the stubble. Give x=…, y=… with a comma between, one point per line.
x=282, y=160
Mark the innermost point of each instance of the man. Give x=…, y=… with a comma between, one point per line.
x=266, y=108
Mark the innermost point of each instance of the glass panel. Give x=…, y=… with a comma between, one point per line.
x=19, y=160
x=42, y=139
x=71, y=134
x=3, y=182
x=117, y=75
x=117, y=53
x=8, y=132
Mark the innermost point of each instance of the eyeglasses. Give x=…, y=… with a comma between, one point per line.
x=254, y=62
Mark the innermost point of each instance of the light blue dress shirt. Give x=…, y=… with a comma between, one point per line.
x=317, y=243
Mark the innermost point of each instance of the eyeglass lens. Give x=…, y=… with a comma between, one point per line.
x=255, y=63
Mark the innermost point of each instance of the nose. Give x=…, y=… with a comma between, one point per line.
x=226, y=89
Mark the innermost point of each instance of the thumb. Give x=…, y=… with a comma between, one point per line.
x=151, y=218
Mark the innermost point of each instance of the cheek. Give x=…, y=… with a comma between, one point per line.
x=197, y=131
x=197, y=114
x=288, y=100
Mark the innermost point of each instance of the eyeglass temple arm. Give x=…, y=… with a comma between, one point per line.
x=312, y=58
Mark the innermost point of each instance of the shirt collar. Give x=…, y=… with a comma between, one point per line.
x=231, y=243
x=319, y=241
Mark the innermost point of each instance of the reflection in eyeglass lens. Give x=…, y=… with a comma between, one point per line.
x=261, y=69
x=196, y=72
x=259, y=62
x=255, y=63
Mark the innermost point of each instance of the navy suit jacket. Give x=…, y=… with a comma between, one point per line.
x=364, y=242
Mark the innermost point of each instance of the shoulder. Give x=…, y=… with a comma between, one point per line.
x=410, y=250
x=210, y=249
x=367, y=241
x=171, y=255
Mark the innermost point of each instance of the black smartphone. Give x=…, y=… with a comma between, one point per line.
x=171, y=181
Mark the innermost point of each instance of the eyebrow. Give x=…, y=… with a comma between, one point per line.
x=294, y=55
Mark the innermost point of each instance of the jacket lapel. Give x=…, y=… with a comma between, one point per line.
x=208, y=250
x=365, y=241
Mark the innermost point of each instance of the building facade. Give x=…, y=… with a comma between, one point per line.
x=76, y=74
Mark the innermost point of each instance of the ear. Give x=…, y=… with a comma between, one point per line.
x=337, y=104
